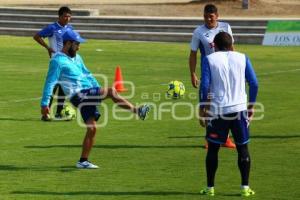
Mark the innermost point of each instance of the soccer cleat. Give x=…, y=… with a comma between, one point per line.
x=143, y=111
x=229, y=144
x=46, y=118
x=208, y=192
x=246, y=192
x=86, y=165
x=60, y=117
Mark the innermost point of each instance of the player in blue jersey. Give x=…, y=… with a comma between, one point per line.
x=68, y=69
x=203, y=40
x=54, y=34
x=224, y=106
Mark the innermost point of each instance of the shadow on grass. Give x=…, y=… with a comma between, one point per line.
x=251, y=137
x=12, y=168
x=186, y=137
x=35, y=168
x=117, y=146
x=275, y=136
x=25, y=119
x=232, y=195
x=69, y=168
x=107, y=193
x=111, y=193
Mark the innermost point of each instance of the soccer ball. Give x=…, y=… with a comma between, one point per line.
x=68, y=112
x=176, y=89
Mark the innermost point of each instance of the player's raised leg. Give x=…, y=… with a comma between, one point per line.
x=124, y=103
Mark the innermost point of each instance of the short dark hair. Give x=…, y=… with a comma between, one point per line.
x=210, y=8
x=223, y=41
x=63, y=10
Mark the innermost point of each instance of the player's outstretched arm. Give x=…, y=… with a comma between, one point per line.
x=45, y=111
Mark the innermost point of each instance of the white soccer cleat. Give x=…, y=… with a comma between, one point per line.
x=86, y=165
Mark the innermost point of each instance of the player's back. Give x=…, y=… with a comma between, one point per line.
x=227, y=70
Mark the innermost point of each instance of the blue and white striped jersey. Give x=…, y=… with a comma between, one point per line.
x=54, y=33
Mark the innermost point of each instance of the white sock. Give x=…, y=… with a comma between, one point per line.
x=210, y=188
x=245, y=186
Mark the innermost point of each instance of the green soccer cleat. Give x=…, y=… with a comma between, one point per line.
x=209, y=192
x=246, y=192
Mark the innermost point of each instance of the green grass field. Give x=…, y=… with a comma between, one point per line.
x=152, y=159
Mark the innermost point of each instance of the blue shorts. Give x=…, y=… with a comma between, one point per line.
x=87, y=100
x=217, y=129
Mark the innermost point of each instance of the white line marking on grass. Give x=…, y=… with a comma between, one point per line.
x=39, y=98
x=99, y=50
x=30, y=99
x=21, y=100
x=279, y=72
x=262, y=74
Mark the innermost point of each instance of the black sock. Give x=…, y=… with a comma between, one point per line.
x=60, y=100
x=212, y=163
x=59, y=108
x=83, y=159
x=244, y=163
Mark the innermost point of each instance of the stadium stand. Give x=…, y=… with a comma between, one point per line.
x=27, y=21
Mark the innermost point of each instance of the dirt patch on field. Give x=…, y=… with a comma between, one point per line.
x=226, y=9
x=179, y=8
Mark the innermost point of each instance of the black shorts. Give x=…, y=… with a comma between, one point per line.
x=87, y=101
x=217, y=129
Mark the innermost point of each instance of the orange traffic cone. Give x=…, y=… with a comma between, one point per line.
x=118, y=83
x=229, y=143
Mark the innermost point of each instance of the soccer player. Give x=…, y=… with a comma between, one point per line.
x=77, y=82
x=54, y=34
x=203, y=39
x=223, y=107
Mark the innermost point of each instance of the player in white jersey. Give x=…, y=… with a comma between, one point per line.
x=224, y=107
x=54, y=34
x=202, y=39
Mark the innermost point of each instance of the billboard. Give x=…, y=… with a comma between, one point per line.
x=282, y=33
